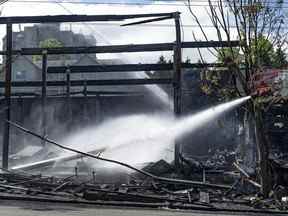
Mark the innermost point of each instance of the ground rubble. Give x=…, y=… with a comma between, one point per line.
x=220, y=183
x=143, y=192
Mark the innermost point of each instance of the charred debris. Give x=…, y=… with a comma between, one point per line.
x=221, y=184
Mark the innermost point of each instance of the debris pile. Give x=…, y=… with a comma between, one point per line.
x=158, y=185
x=142, y=191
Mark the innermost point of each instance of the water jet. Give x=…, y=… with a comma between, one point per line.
x=138, y=138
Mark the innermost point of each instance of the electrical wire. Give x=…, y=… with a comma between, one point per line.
x=156, y=25
x=198, y=3
x=3, y=2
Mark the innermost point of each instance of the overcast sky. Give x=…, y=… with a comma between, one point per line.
x=112, y=33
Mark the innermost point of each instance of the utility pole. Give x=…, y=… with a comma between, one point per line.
x=8, y=75
x=177, y=83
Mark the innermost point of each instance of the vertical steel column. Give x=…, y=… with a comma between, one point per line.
x=44, y=94
x=177, y=82
x=8, y=76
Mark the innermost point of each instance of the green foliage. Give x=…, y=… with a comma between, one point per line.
x=218, y=84
x=262, y=52
x=228, y=55
x=48, y=43
x=280, y=58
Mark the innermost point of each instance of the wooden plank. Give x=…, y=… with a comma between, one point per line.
x=126, y=67
x=76, y=18
x=91, y=82
x=206, y=44
x=177, y=85
x=44, y=94
x=7, y=85
x=122, y=48
x=111, y=68
x=148, y=21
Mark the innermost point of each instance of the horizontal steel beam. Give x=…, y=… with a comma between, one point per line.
x=122, y=48
x=76, y=18
x=90, y=82
x=125, y=67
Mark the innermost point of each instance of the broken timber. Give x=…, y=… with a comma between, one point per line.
x=246, y=175
x=52, y=161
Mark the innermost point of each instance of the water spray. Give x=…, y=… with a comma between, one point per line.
x=141, y=138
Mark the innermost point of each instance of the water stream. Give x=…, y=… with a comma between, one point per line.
x=141, y=138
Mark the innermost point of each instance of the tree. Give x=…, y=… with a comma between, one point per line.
x=280, y=58
x=259, y=28
x=48, y=43
x=267, y=54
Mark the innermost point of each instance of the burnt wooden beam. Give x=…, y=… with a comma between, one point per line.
x=22, y=94
x=7, y=85
x=97, y=93
x=51, y=97
x=122, y=48
x=90, y=82
x=44, y=94
x=126, y=67
x=207, y=44
x=177, y=85
x=76, y=18
x=148, y=21
x=111, y=68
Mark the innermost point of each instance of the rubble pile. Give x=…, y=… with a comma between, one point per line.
x=158, y=185
x=142, y=191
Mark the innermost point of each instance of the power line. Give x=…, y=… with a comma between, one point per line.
x=60, y=3
x=84, y=23
x=157, y=25
x=200, y=3
x=3, y=2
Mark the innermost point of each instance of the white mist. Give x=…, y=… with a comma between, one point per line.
x=137, y=139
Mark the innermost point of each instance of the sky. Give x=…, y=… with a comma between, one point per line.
x=111, y=33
